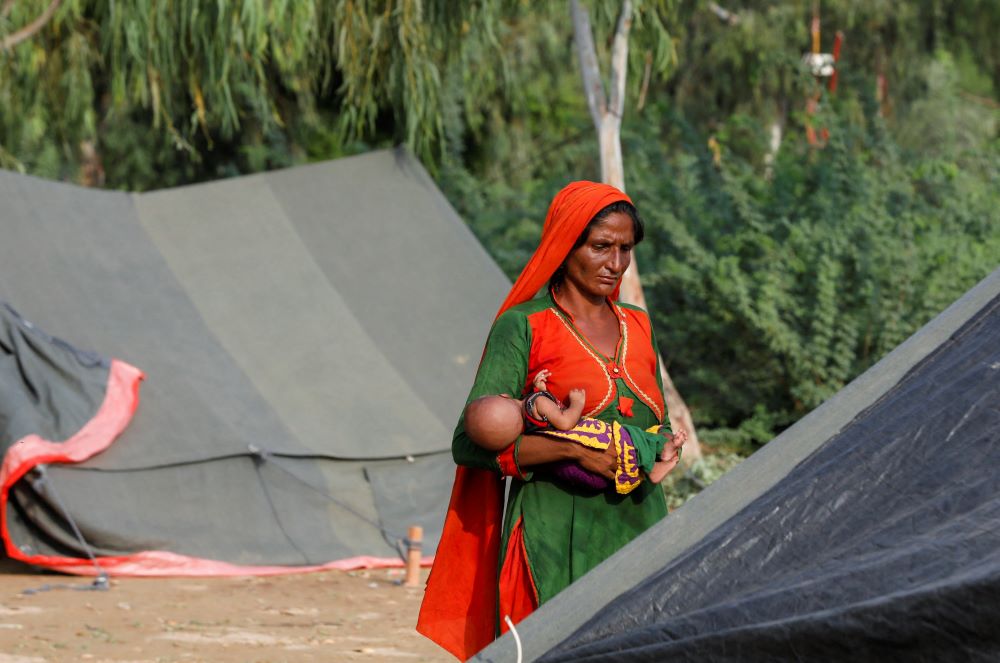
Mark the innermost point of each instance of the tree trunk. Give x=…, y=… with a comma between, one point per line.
x=774, y=144
x=607, y=116
x=91, y=167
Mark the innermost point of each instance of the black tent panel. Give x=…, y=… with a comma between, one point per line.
x=885, y=542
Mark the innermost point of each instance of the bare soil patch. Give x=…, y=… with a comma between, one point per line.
x=328, y=616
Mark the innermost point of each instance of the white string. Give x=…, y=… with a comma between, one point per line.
x=517, y=638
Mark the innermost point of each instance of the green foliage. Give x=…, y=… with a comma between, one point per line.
x=46, y=90
x=175, y=89
x=770, y=295
x=211, y=89
x=684, y=482
x=236, y=87
x=754, y=63
x=945, y=121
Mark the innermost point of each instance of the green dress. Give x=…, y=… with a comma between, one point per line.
x=567, y=531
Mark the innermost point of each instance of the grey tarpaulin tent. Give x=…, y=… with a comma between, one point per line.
x=870, y=530
x=307, y=338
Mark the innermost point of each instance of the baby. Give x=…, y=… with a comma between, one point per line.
x=494, y=422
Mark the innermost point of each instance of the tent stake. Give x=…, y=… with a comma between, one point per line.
x=414, y=537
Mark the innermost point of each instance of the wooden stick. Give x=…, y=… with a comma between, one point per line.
x=414, y=537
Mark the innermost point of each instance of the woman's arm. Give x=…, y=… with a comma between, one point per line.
x=537, y=449
x=671, y=454
x=666, y=426
x=503, y=370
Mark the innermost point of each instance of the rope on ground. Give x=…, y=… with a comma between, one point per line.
x=402, y=541
x=40, y=481
x=258, y=460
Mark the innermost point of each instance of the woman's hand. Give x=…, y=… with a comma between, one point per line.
x=604, y=463
x=538, y=449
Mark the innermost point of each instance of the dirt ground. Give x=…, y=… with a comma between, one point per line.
x=329, y=616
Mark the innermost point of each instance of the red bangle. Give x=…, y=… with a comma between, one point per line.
x=507, y=460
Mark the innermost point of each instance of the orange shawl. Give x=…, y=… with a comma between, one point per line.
x=459, y=607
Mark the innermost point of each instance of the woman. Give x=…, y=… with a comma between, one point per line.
x=552, y=534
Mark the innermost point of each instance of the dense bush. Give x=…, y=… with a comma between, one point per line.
x=770, y=291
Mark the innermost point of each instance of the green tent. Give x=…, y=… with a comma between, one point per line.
x=306, y=339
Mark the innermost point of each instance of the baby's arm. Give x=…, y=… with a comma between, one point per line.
x=539, y=382
x=559, y=418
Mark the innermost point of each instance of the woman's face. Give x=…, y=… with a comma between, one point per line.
x=596, y=267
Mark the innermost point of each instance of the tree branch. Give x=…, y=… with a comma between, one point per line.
x=726, y=16
x=777, y=133
x=647, y=72
x=619, y=60
x=983, y=101
x=7, y=7
x=13, y=39
x=591, y=73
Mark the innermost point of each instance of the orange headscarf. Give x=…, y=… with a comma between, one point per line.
x=459, y=607
x=570, y=212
